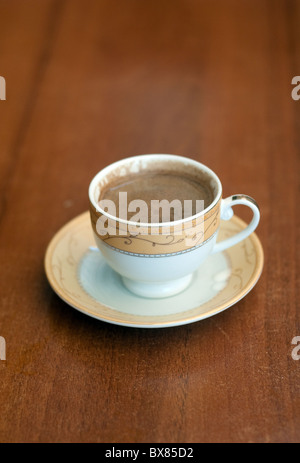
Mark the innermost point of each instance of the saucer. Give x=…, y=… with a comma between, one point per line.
x=79, y=276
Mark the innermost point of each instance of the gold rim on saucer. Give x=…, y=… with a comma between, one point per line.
x=69, y=246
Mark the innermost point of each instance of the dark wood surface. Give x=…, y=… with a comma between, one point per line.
x=90, y=82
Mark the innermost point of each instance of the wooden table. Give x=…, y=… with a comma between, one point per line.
x=90, y=82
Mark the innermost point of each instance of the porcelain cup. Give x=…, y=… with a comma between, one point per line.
x=158, y=260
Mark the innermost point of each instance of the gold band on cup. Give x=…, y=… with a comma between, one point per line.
x=180, y=237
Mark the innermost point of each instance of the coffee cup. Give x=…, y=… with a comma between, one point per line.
x=158, y=259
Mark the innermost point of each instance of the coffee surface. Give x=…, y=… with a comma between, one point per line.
x=157, y=186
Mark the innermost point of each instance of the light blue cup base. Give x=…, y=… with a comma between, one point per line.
x=159, y=289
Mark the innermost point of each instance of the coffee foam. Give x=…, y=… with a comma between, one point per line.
x=142, y=165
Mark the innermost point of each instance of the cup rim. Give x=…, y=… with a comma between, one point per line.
x=95, y=181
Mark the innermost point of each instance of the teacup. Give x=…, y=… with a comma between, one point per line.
x=158, y=260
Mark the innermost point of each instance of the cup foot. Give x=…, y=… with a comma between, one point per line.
x=158, y=289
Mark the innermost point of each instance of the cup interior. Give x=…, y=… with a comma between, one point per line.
x=154, y=162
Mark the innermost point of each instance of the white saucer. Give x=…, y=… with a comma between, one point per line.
x=83, y=280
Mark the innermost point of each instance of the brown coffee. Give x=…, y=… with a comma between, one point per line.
x=157, y=186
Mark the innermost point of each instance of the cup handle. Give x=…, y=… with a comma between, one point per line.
x=227, y=213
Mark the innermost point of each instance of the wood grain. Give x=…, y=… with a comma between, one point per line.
x=90, y=82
